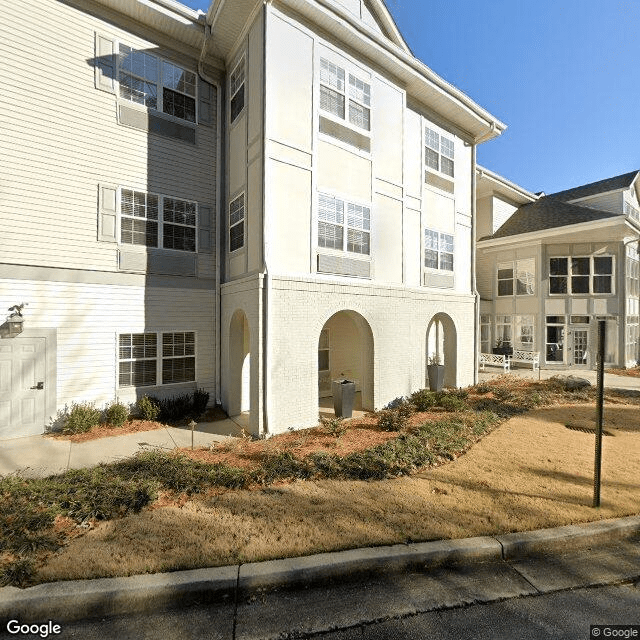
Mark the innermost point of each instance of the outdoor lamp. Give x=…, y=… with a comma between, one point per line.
x=14, y=324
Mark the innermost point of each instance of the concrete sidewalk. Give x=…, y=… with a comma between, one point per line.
x=300, y=596
x=39, y=456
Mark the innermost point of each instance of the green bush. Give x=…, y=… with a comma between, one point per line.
x=116, y=414
x=148, y=408
x=81, y=417
x=394, y=419
x=18, y=573
x=423, y=400
x=334, y=426
x=452, y=402
x=200, y=401
x=175, y=408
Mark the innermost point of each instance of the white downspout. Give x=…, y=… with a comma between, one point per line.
x=474, y=288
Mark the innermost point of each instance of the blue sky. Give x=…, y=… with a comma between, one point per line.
x=564, y=75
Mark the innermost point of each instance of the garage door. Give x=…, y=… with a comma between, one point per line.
x=22, y=383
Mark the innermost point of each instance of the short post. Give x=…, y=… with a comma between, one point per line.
x=599, y=414
x=192, y=425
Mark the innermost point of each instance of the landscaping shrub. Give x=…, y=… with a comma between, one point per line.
x=200, y=401
x=483, y=387
x=394, y=419
x=334, y=426
x=149, y=410
x=452, y=402
x=423, y=400
x=396, y=402
x=277, y=466
x=18, y=573
x=81, y=417
x=116, y=414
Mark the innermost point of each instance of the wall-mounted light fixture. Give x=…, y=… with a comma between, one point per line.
x=14, y=323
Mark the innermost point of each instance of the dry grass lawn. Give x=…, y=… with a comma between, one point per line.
x=531, y=472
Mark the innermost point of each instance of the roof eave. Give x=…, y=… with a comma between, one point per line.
x=515, y=191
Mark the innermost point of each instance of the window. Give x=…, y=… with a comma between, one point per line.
x=334, y=96
x=581, y=275
x=178, y=357
x=485, y=334
x=631, y=211
x=147, y=80
x=555, y=333
x=438, y=152
x=524, y=271
x=150, y=220
x=525, y=332
x=236, y=223
x=335, y=231
x=236, y=90
x=438, y=250
x=138, y=358
x=504, y=330
x=323, y=351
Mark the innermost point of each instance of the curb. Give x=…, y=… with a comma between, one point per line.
x=84, y=599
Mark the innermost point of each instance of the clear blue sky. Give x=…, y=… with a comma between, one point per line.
x=564, y=75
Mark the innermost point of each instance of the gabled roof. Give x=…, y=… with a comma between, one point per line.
x=385, y=20
x=623, y=181
x=548, y=213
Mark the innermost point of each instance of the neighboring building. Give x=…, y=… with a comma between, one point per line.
x=253, y=201
x=550, y=266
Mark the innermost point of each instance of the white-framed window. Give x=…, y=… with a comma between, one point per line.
x=236, y=90
x=178, y=357
x=504, y=330
x=555, y=331
x=140, y=366
x=324, y=363
x=146, y=79
x=581, y=274
x=345, y=95
x=152, y=220
x=525, y=333
x=631, y=211
x=517, y=277
x=236, y=223
x=438, y=250
x=350, y=232
x=439, y=152
x=485, y=333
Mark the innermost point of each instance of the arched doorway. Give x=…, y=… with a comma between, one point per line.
x=239, y=399
x=442, y=343
x=345, y=350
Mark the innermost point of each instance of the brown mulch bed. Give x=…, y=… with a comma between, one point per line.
x=633, y=372
x=107, y=430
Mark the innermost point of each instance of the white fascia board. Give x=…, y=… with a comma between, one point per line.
x=534, y=236
x=446, y=100
x=516, y=191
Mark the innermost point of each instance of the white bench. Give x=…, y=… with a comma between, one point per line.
x=494, y=360
x=526, y=357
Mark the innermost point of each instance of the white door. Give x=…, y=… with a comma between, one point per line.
x=580, y=346
x=22, y=382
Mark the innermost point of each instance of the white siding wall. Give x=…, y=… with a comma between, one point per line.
x=501, y=212
x=66, y=141
x=606, y=202
x=88, y=318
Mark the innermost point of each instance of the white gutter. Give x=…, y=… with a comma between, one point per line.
x=483, y=172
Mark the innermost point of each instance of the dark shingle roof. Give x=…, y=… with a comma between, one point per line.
x=593, y=188
x=548, y=213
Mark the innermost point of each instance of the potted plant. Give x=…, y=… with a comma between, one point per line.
x=503, y=348
x=435, y=373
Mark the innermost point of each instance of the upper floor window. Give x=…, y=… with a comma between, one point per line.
x=345, y=233
x=150, y=220
x=438, y=152
x=236, y=90
x=350, y=102
x=236, y=223
x=631, y=211
x=438, y=250
x=589, y=274
x=146, y=79
x=516, y=277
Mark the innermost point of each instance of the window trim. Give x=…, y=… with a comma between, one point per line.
x=430, y=131
x=159, y=221
x=344, y=251
x=515, y=270
x=241, y=86
x=569, y=275
x=160, y=86
x=241, y=221
x=159, y=357
x=350, y=70
x=438, y=251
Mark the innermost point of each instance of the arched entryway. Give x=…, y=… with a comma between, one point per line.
x=239, y=398
x=345, y=350
x=442, y=343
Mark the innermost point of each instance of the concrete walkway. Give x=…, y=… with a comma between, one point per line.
x=38, y=456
